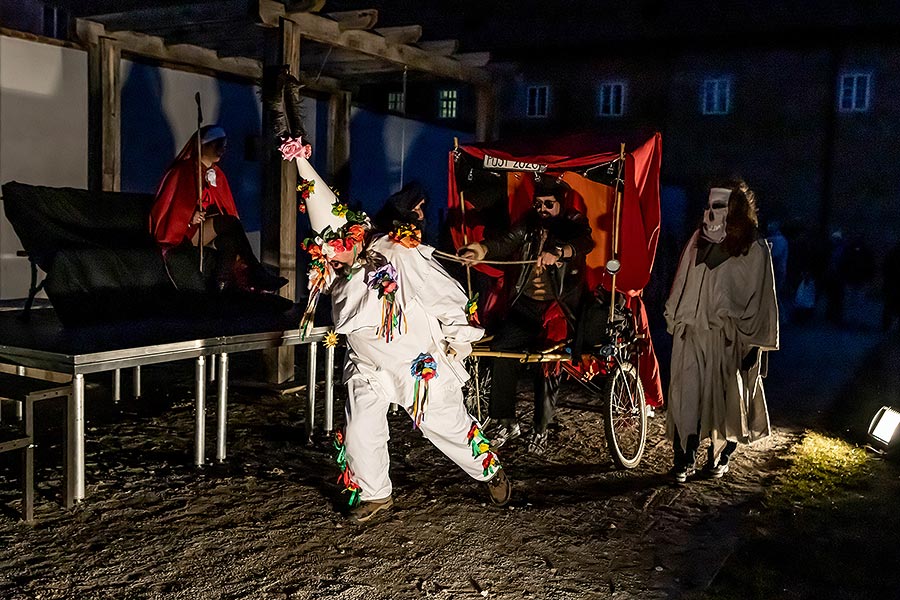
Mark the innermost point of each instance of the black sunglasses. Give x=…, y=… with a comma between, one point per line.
x=546, y=203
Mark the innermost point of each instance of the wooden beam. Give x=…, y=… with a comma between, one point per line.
x=353, y=19
x=473, y=59
x=408, y=34
x=326, y=31
x=185, y=15
x=104, y=104
x=440, y=47
x=278, y=236
x=155, y=48
x=339, y=139
x=486, y=113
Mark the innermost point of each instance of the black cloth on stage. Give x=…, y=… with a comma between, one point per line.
x=101, y=262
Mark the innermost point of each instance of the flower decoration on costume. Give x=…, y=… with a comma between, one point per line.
x=305, y=187
x=471, y=309
x=423, y=369
x=331, y=339
x=481, y=447
x=292, y=148
x=407, y=235
x=384, y=281
x=346, y=476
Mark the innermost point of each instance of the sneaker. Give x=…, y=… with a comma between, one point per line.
x=538, y=443
x=682, y=474
x=499, y=488
x=369, y=508
x=717, y=471
x=505, y=433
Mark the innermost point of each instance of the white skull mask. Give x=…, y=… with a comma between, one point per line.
x=715, y=214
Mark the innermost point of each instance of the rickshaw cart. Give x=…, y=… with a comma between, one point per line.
x=615, y=184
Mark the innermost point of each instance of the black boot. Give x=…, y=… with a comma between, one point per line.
x=294, y=108
x=274, y=79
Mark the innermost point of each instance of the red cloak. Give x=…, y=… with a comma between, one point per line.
x=176, y=198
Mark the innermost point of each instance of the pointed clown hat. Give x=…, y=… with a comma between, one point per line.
x=335, y=227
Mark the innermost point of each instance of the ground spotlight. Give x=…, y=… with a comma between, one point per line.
x=883, y=431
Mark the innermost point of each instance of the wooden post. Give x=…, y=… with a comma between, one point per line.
x=339, y=140
x=279, y=206
x=485, y=125
x=104, y=103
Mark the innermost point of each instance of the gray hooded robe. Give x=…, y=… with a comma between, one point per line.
x=717, y=316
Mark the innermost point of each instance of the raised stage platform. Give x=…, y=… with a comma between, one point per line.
x=39, y=340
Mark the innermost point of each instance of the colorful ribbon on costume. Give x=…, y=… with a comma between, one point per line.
x=384, y=281
x=406, y=234
x=423, y=369
x=472, y=310
x=346, y=477
x=480, y=446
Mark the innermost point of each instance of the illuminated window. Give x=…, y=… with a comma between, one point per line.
x=537, y=101
x=447, y=107
x=396, y=102
x=854, y=92
x=611, y=99
x=715, y=97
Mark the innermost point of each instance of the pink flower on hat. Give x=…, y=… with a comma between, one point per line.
x=293, y=148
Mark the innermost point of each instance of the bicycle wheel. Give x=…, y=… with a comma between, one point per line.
x=624, y=416
x=477, y=398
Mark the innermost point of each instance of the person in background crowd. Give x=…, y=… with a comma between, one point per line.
x=723, y=315
x=778, y=245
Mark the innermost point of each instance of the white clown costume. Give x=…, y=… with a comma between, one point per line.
x=407, y=329
x=430, y=319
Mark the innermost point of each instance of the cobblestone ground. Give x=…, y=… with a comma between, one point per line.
x=269, y=523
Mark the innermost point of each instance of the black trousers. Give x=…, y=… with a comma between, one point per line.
x=688, y=458
x=519, y=332
x=232, y=244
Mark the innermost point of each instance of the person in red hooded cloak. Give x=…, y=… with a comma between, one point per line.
x=176, y=215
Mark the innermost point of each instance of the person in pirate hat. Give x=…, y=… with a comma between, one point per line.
x=407, y=332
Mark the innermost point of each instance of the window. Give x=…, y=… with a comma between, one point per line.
x=447, y=107
x=611, y=99
x=396, y=102
x=854, y=92
x=537, y=101
x=715, y=97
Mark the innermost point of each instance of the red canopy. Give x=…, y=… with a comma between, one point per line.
x=495, y=174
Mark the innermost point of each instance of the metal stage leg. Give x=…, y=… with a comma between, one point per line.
x=117, y=385
x=75, y=443
x=222, y=409
x=329, y=389
x=20, y=370
x=137, y=382
x=311, y=391
x=200, y=414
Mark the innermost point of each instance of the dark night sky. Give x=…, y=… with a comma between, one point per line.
x=516, y=26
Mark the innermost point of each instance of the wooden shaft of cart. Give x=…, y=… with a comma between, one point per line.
x=617, y=225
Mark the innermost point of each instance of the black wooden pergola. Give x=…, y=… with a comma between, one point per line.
x=333, y=54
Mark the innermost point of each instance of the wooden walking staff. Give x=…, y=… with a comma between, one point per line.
x=620, y=184
x=462, y=207
x=199, y=175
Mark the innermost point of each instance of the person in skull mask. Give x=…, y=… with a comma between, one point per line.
x=547, y=292
x=723, y=314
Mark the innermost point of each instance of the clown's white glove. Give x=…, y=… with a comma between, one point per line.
x=457, y=351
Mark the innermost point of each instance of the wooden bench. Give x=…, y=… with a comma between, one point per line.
x=27, y=391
